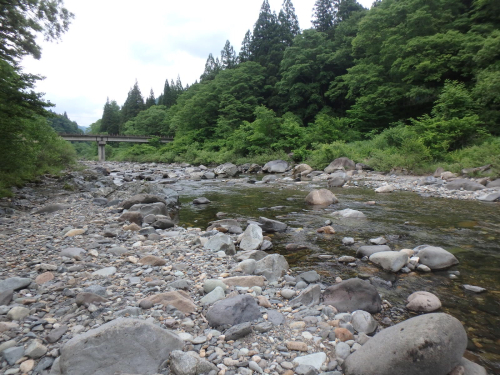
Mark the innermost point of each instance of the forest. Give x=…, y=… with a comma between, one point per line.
x=406, y=84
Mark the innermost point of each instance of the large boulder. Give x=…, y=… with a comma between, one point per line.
x=275, y=166
x=234, y=310
x=436, y=258
x=390, y=260
x=301, y=170
x=494, y=183
x=465, y=184
x=123, y=345
x=321, y=197
x=431, y=344
x=272, y=267
x=226, y=170
x=271, y=226
x=353, y=294
x=141, y=199
x=252, y=238
x=220, y=242
x=343, y=164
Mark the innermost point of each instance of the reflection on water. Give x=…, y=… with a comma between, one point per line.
x=468, y=229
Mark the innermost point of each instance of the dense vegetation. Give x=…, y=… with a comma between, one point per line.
x=405, y=84
x=29, y=144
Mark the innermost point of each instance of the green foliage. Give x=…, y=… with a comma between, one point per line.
x=111, y=118
x=152, y=121
x=133, y=105
x=62, y=124
x=327, y=129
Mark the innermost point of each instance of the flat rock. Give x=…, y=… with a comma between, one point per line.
x=179, y=299
x=252, y=238
x=72, y=252
x=221, y=242
x=138, y=347
x=44, y=278
x=316, y=360
x=349, y=214
x=14, y=283
x=141, y=199
x=152, y=260
x=464, y=184
x=470, y=288
x=423, y=302
x=308, y=297
x=201, y=200
x=244, y=281
x=353, y=294
x=390, y=260
x=272, y=267
x=436, y=258
x=271, y=226
x=215, y=295
x=385, y=189
x=430, y=344
x=86, y=298
x=18, y=313
x=238, y=331
x=275, y=166
x=321, y=197
x=51, y=208
x=106, y=271
x=367, y=251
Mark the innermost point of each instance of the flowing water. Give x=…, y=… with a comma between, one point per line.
x=468, y=229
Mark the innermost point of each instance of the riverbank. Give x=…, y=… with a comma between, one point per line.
x=83, y=267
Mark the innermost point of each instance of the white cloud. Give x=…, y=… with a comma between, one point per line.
x=112, y=43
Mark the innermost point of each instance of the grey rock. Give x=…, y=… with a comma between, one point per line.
x=11, y=355
x=390, y=260
x=107, y=271
x=56, y=334
x=493, y=184
x=6, y=297
x=423, y=302
x=118, y=250
x=252, y=238
x=266, y=245
x=342, y=350
x=269, y=178
x=342, y=163
x=308, y=297
x=287, y=293
x=272, y=267
x=14, y=283
x=189, y=363
x=430, y=344
x=349, y=214
x=336, y=181
x=43, y=364
x=321, y=197
x=470, y=288
x=472, y=368
x=233, y=310
x=347, y=241
x=211, y=284
x=36, y=349
x=96, y=289
x=73, y=252
x=135, y=217
x=141, y=199
x=250, y=254
x=363, y=322
x=129, y=311
x=100, y=201
x=163, y=224
x=51, y=208
x=275, y=166
x=221, y=242
x=138, y=347
x=275, y=317
x=366, y=251
x=248, y=266
x=214, y=296
x=271, y=226
x=180, y=284
x=437, y=258
x=263, y=327
x=202, y=200
x=18, y=313
x=306, y=370
x=157, y=208
x=492, y=197
x=226, y=170
x=309, y=277
x=238, y=331
x=465, y=184
x=353, y=294
x=316, y=360
x=254, y=366
x=378, y=241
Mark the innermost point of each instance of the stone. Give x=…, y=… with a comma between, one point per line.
x=349, y=214
x=347, y=241
x=247, y=266
x=385, y=189
x=11, y=355
x=275, y=317
x=353, y=294
x=336, y=181
x=221, y=242
x=297, y=345
x=390, y=260
x=423, y=302
x=141, y=199
x=75, y=232
x=201, y=200
x=275, y=166
x=342, y=350
x=233, y=310
x=158, y=208
x=316, y=360
x=14, y=283
x=470, y=288
x=346, y=259
x=73, y=252
x=492, y=197
x=179, y=299
x=56, y=334
x=272, y=267
x=343, y=334
x=301, y=170
x=152, y=260
x=229, y=224
x=163, y=224
x=43, y=364
x=44, y=278
x=238, y=331
x=106, y=271
x=493, y=184
x=6, y=297
x=86, y=299
x=367, y=251
x=252, y=238
x=436, y=258
x=271, y=226
x=36, y=349
x=308, y=297
x=211, y=284
x=464, y=184
x=18, y=313
x=269, y=178
x=363, y=322
x=244, y=281
x=118, y=250
x=321, y=197
x=214, y=296
x=27, y=366
x=226, y=170
x=132, y=217
x=342, y=163
x=138, y=347
x=471, y=368
x=309, y=276
x=51, y=208
x=287, y=293
x=250, y=254
x=182, y=363
x=430, y=344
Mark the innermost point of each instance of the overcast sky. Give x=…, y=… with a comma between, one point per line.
x=113, y=43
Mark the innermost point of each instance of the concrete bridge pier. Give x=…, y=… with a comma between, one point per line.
x=101, y=150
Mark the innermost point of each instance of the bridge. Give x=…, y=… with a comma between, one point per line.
x=103, y=139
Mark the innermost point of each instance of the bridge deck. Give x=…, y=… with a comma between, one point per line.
x=111, y=138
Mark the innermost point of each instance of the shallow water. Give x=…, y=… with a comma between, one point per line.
x=468, y=229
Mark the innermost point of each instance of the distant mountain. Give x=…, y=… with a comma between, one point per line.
x=83, y=128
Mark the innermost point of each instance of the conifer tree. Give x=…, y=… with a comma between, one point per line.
x=323, y=15
x=150, y=101
x=228, y=56
x=245, y=47
x=212, y=67
x=134, y=103
x=289, y=22
x=111, y=118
